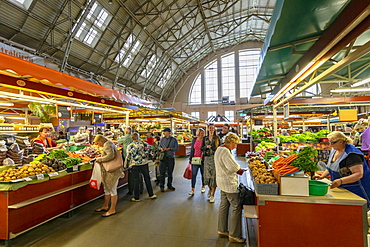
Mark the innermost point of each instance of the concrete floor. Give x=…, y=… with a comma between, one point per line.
x=173, y=219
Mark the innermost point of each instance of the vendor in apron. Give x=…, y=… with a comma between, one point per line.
x=347, y=167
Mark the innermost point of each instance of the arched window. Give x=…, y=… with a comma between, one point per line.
x=228, y=77
x=196, y=92
x=211, y=83
x=221, y=76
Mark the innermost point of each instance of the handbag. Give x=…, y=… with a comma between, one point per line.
x=188, y=172
x=162, y=154
x=114, y=164
x=196, y=161
x=246, y=195
x=95, y=179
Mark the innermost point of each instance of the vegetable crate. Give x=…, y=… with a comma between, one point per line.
x=266, y=189
x=75, y=148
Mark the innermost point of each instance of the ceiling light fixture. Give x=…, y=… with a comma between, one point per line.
x=349, y=90
x=362, y=82
x=110, y=2
x=6, y=104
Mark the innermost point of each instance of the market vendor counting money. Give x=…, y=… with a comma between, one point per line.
x=45, y=140
x=347, y=167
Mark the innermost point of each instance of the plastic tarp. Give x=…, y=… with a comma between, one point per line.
x=55, y=78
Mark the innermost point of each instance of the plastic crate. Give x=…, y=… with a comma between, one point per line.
x=75, y=148
x=266, y=189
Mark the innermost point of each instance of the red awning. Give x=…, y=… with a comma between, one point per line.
x=55, y=78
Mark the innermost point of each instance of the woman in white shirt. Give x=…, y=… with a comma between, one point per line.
x=227, y=171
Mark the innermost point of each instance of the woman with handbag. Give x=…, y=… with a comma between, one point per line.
x=209, y=146
x=111, y=170
x=196, y=160
x=137, y=153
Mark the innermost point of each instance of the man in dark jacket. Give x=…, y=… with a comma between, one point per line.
x=169, y=145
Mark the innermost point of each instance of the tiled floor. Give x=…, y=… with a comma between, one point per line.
x=174, y=219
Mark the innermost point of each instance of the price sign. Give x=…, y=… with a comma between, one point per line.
x=75, y=168
x=97, y=118
x=64, y=112
x=40, y=176
x=53, y=174
x=28, y=179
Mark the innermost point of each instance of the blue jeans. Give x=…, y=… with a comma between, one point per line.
x=194, y=174
x=135, y=172
x=166, y=166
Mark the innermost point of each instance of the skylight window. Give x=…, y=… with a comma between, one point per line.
x=126, y=49
x=165, y=78
x=149, y=67
x=23, y=3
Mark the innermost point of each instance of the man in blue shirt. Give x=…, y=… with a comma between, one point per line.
x=169, y=145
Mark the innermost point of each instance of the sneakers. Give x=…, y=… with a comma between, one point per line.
x=236, y=240
x=135, y=200
x=212, y=199
x=153, y=197
x=162, y=189
x=223, y=234
x=191, y=193
x=171, y=188
x=203, y=190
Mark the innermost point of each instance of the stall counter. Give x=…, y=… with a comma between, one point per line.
x=184, y=149
x=32, y=205
x=338, y=218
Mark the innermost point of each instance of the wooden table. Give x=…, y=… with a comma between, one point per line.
x=184, y=149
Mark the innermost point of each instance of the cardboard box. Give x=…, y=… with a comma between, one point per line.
x=294, y=185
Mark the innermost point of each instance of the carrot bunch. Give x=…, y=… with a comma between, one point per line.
x=84, y=159
x=282, y=165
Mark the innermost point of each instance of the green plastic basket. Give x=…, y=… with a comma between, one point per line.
x=318, y=188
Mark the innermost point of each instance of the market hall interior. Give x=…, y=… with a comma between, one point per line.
x=173, y=219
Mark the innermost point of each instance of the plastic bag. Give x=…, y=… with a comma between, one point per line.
x=188, y=172
x=95, y=180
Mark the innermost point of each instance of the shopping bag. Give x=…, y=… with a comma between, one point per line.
x=188, y=172
x=95, y=179
x=246, y=195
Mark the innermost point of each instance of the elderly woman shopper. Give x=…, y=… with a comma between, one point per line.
x=209, y=146
x=196, y=161
x=347, y=167
x=109, y=179
x=137, y=153
x=227, y=171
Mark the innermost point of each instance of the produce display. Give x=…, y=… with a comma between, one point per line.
x=282, y=166
x=260, y=135
x=306, y=159
x=25, y=171
x=305, y=137
x=265, y=146
x=259, y=171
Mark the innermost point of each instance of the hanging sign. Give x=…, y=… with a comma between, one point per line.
x=64, y=112
x=97, y=118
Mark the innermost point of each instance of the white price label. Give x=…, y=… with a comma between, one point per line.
x=53, y=174
x=75, y=168
x=28, y=179
x=40, y=176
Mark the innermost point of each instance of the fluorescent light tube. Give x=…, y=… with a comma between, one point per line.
x=359, y=83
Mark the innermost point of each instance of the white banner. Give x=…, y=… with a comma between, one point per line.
x=15, y=52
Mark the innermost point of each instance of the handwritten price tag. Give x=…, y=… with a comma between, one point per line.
x=40, y=176
x=53, y=174
x=75, y=168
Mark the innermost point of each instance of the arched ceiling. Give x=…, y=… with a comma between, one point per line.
x=178, y=33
